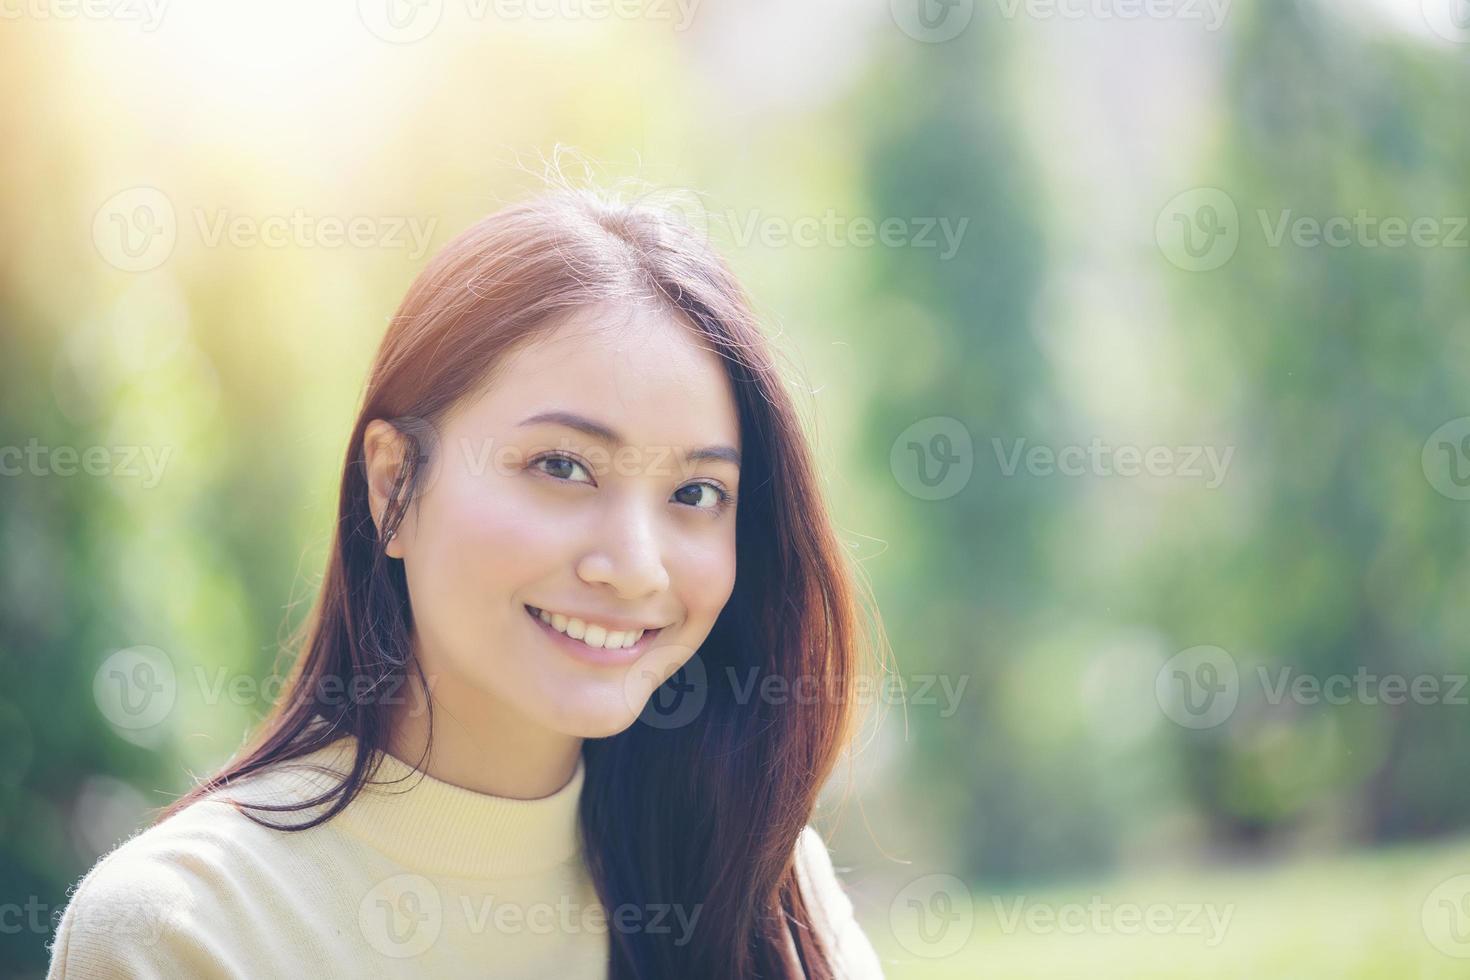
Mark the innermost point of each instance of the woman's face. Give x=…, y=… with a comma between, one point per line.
x=520, y=514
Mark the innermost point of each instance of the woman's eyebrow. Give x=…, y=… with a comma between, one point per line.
x=606, y=434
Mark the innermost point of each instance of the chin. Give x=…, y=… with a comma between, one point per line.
x=606, y=729
x=596, y=726
x=593, y=720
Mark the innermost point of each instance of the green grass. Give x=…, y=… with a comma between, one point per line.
x=1367, y=916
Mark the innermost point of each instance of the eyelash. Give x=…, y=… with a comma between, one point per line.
x=725, y=497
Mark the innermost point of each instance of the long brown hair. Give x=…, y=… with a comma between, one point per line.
x=705, y=813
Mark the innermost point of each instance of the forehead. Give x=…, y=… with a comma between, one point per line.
x=642, y=371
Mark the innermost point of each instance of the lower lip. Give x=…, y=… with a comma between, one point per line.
x=603, y=657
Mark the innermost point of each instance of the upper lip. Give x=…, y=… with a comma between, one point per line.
x=613, y=622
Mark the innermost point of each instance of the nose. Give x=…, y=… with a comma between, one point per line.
x=628, y=554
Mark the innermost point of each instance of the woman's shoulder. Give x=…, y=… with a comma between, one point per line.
x=853, y=952
x=150, y=905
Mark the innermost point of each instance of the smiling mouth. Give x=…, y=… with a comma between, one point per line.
x=594, y=639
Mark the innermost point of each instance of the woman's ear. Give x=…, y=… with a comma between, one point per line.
x=382, y=459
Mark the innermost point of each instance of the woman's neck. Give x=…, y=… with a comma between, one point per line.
x=480, y=744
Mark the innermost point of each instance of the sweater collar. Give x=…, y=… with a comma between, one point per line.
x=434, y=827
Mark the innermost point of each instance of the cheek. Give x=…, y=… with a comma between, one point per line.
x=704, y=569
x=478, y=541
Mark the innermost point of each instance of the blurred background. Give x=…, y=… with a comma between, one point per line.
x=1135, y=340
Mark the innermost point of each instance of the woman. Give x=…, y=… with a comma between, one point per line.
x=539, y=725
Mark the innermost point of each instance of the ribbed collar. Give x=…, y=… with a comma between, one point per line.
x=433, y=827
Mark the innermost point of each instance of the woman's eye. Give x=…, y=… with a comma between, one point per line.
x=560, y=467
x=716, y=499
x=701, y=496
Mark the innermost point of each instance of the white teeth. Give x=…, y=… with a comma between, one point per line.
x=597, y=637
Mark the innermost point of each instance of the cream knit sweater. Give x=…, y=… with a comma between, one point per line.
x=419, y=878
